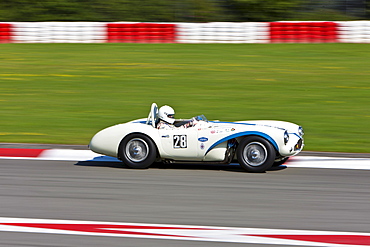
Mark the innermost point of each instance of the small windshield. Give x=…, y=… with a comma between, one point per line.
x=201, y=118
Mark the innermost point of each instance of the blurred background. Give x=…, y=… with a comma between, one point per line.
x=183, y=10
x=64, y=93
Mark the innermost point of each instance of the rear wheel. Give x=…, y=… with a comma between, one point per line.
x=137, y=151
x=255, y=154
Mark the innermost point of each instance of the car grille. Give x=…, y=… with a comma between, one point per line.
x=298, y=145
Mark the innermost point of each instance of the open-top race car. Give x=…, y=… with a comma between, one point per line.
x=256, y=145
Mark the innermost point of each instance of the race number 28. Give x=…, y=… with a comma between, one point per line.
x=180, y=141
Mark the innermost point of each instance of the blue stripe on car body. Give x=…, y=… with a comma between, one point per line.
x=142, y=122
x=295, y=135
x=232, y=123
x=249, y=124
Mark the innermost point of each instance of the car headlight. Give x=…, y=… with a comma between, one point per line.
x=286, y=137
x=300, y=131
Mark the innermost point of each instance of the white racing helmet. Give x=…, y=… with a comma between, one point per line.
x=167, y=114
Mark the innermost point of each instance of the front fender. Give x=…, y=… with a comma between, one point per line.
x=243, y=134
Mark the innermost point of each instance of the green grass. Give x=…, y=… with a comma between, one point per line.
x=64, y=93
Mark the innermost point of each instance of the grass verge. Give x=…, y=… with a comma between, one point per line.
x=64, y=93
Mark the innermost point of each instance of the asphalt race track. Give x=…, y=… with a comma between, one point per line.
x=201, y=195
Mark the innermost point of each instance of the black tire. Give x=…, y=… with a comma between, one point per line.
x=255, y=154
x=137, y=151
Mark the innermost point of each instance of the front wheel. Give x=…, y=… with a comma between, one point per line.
x=137, y=151
x=255, y=154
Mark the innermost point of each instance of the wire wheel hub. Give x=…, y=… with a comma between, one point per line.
x=137, y=150
x=255, y=153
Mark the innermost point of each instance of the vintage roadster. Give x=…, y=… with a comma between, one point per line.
x=256, y=145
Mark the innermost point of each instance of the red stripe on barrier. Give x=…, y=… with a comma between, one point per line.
x=303, y=32
x=20, y=152
x=5, y=32
x=141, y=33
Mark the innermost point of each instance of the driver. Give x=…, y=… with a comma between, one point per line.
x=166, y=115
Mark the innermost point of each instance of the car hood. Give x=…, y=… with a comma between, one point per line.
x=273, y=124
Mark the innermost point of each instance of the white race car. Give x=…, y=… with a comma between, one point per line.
x=256, y=145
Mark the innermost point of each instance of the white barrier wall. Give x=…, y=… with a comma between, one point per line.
x=223, y=32
x=354, y=31
x=213, y=32
x=59, y=32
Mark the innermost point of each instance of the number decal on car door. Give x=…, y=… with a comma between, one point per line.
x=180, y=141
